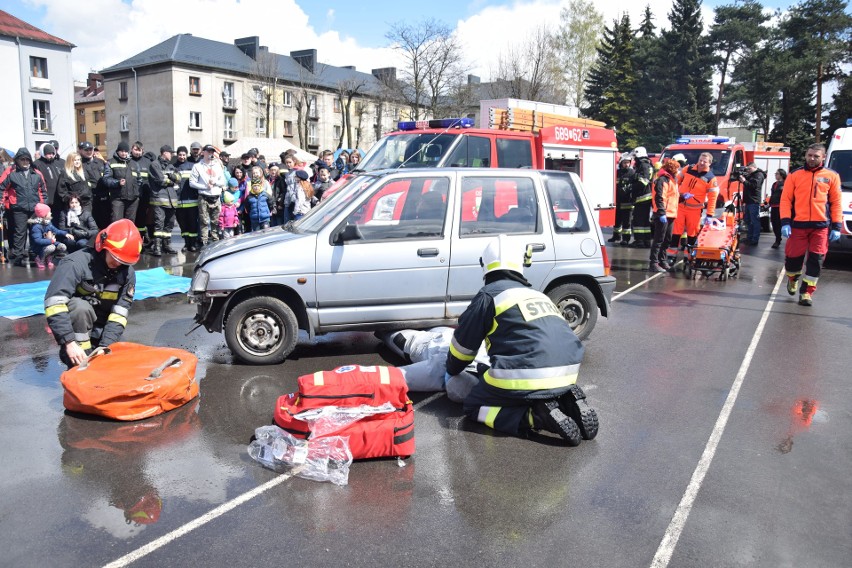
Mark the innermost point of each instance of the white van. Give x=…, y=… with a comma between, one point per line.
x=400, y=249
x=839, y=159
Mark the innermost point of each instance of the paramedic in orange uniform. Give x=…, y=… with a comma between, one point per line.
x=665, y=204
x=696, y=184
x=812, y=194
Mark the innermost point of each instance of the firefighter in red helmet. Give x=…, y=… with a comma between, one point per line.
x=89, y=297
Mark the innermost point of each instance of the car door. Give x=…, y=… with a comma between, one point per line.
x=491, y=204
x=392, y=261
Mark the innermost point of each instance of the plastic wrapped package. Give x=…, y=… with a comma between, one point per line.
x=321, y=459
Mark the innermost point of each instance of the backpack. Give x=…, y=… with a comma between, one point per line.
x=378, y=435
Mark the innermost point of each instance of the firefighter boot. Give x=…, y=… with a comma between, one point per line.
x=194, y=244
x=792, y=284
x=616, y=237
x=805, y=299
x=546, y=415
x=156, y=247
x=167, y=246
x=573, y=404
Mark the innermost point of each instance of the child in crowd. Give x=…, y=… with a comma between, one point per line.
x=229, y=219
x=258, y=203
x=323, y=182
x=79, y=222
x=43, y=237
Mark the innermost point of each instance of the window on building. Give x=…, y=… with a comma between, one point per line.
x=39, y=67
x=229, y=99
x=312, y=107
x=228, y=128
x=97, y=140
x=288, y=128
x=41, y=116
x=82, y=128
x=338, y=106
x=260, y=126
x=123, y=123
x=194, y=120
x=287, y=98
x=258, y=95
x=338, y=132
x=313, y=137
x=96, y=116
x=122, y=91
x=194, y=86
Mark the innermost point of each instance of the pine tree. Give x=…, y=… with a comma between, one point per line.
x=685, y=91
x=600, y=76
x=842, y=110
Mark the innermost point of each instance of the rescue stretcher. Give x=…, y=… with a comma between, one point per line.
x=716, y=248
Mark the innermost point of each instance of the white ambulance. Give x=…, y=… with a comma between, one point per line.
x=839, y=159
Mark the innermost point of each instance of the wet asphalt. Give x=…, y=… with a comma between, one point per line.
x=774, y=489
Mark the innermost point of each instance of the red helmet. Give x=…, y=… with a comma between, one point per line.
x=122, y=239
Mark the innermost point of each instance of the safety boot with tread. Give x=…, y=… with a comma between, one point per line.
x=548, y=416
x=573, y=404
x=805, y=299
x=792, y=285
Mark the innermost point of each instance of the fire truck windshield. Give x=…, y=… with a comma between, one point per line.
x=408, y=150
x=720, y=158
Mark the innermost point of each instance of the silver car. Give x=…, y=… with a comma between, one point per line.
x=400, y=249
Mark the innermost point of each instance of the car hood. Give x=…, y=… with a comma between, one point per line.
x=246, y=241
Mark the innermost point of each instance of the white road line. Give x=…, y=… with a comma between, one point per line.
x=657, y=275
x=131, y=557
x=675, y=528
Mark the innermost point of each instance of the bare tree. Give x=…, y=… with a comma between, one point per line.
x=347, y=90
x=265, y=77
x=576, y=41
x=306, y=102
x=528, y=70
x=431, y=53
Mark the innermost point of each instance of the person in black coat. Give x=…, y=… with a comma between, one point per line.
x=79, y=222
x=23, y=188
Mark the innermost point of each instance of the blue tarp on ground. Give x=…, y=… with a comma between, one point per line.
x=23, y=300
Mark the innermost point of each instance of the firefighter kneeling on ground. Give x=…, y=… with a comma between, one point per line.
x=535, y=356
x=89, y=297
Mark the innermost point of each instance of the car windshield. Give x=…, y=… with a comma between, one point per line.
x=410, y=150
x=328, y=209
x=841, y=162
x=720, y=158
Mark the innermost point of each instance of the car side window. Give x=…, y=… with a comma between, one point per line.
x=514, y=153
x=402, y=208
x=494, y=205
x=565, y=205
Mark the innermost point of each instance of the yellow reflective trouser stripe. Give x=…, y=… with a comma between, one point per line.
x=318, y=380
x=57, y=309
x=487, y=415
x=119, y=319
x=109, y=295
x=384, y=375
x=531, y=384
x=641, y=198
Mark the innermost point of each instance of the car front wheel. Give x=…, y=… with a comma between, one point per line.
x=261, y=330
x=578, y=306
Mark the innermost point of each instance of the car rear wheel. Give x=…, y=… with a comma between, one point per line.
x=578, y=306
x=261, y=330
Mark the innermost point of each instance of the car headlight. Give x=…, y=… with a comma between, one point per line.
x=199, y=281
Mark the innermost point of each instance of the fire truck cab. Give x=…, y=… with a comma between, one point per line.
x=728, y=155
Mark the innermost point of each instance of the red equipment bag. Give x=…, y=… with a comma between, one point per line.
x=128, y=381
x=379, y=435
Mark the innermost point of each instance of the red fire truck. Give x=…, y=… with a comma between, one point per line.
x=522, y=139
x=728, y=155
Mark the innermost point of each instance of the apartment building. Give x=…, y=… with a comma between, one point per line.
x=189, y=89
x=91, y=113
x=37, y=97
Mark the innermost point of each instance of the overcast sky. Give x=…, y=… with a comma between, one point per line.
x=352, y=33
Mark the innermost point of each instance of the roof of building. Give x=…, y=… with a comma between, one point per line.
x=85, y=95
x=11, y=26
x=191, y=50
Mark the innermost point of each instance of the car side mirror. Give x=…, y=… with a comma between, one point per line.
x=349, y=233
